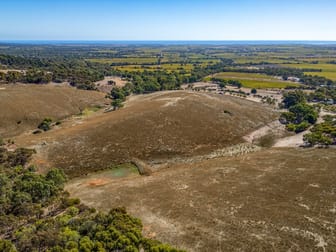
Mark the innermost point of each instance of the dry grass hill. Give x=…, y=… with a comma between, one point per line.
x=23, y=107
x=156, y=126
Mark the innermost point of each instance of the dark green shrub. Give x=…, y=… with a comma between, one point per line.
x=45, y=125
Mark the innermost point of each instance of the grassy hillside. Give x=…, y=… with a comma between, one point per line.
x=24, y=107
x=155, y=126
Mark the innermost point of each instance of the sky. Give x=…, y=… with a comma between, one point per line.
x=168, y=20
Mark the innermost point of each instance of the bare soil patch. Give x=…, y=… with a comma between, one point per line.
x=104, y=85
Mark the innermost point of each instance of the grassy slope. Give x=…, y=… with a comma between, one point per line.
x=23, y=107
x=159, y=125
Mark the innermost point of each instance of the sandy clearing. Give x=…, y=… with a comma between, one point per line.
x=274, y=128
x=103, y=85
x=291, y=141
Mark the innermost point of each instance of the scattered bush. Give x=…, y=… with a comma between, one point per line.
x=266, y=141
x=37, y=132
x=45, y=125
x=297, y=128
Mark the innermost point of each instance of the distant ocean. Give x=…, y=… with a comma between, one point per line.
x=167, y=42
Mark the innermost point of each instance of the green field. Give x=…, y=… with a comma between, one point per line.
x=267, y=84
x=254, y=80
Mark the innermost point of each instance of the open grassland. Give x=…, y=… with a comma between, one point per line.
x=155, y=126
x=270, y=200
x=23, y=107
x=253, y=80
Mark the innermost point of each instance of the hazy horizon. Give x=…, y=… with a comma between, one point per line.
x=168, y=42
x=199, y=20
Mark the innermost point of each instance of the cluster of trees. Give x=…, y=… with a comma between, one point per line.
x=144, y=82
x=323, y=134
x=151, y=81
x=118, y=96
x=36, y=214
x=322, y=95
x=43, y=64
x=300, y=115
x=222, y=82
x=78, y=72
x=316, y=81
x=30, y=76
x=199, y=72
x=18, y=157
